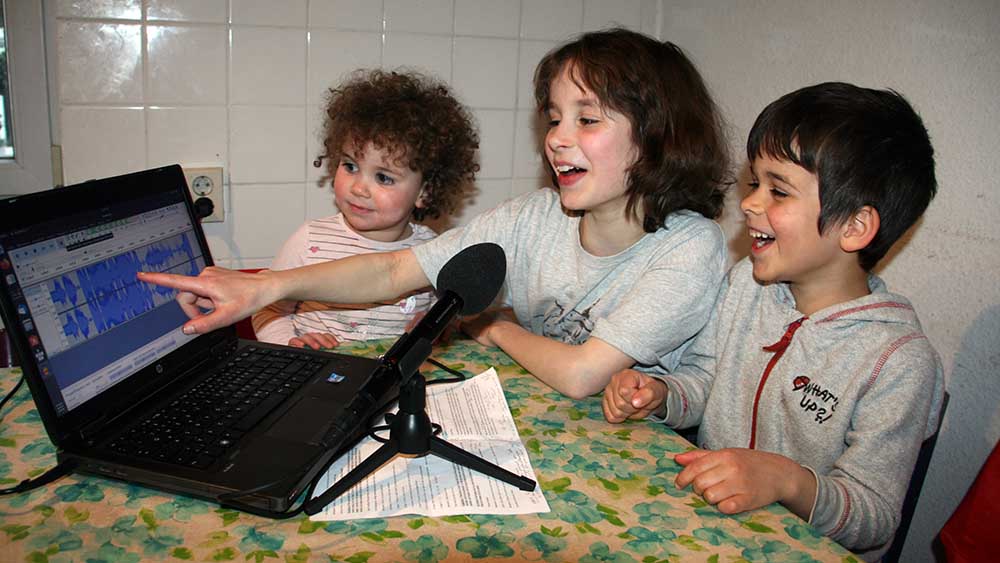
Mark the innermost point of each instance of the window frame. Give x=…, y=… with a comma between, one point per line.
x=31, y=168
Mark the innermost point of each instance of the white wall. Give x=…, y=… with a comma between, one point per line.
x=239, y=82
x=945, y=58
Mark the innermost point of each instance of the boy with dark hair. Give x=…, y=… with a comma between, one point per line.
x=807, y=358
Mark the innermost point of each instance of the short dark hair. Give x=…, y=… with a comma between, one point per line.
x=866, y=147
x=683, y=159
x=414, y=118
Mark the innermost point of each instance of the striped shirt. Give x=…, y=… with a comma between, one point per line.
x=322, y=240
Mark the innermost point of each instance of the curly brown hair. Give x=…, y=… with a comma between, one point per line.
x=415, y=119
x=683, y=160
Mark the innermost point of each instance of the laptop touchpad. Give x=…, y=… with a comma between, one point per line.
x=305, y=422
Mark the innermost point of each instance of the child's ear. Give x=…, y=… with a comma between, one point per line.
x=860, y=229
x=420, y=203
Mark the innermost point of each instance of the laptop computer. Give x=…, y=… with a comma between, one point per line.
x=122, y=392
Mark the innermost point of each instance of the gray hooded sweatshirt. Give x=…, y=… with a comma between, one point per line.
x=849, y=392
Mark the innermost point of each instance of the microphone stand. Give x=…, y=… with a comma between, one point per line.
x=411, y=433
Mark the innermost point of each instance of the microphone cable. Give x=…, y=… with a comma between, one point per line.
x=60, y=470
x=458, y=376
x=3, y=401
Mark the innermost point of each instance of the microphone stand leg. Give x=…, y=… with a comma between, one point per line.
x=364, y=469
x=457, y=455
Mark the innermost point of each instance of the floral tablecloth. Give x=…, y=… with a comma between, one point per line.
x=610, y=488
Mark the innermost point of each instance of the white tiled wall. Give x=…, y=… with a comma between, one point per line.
x=240, y=83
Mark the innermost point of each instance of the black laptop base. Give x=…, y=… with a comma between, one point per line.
x=258, y=438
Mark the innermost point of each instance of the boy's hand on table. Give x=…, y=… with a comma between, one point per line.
x=314, y=340
x=737, y=480
x=632, y=394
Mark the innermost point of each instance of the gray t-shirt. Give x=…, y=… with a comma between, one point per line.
x=647, y=301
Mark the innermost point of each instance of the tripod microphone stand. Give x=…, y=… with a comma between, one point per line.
x=466, y=285
x=411, y=433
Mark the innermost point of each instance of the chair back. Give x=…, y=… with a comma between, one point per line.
x=913, y=491
x=244, y=328
x=970, y=535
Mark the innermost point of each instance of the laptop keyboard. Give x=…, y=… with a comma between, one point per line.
x=206, y=421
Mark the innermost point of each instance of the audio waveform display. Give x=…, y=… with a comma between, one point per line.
x=100, y=296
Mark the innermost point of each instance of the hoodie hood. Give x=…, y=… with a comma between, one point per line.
x=880, y=306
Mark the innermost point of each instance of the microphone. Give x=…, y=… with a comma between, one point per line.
x=466, y=285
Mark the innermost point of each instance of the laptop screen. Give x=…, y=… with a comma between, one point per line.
x=72, y=282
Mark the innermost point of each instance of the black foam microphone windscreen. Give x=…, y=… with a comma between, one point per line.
x=475, y=274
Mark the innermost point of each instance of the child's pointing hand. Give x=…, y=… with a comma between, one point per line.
x=228, y=295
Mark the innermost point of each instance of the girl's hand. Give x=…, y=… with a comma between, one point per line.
x=737, y=480
x=314, y=340
x=229, y=295
x=632, y=394
x=479, y=327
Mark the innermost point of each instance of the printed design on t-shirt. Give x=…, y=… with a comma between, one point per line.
x=571, y=327
x=815, y=400
x=408, y=306
x=314, y=249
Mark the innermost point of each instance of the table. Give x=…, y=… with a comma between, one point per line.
x=610, y=488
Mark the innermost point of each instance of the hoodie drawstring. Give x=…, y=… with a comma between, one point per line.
x=778, y=349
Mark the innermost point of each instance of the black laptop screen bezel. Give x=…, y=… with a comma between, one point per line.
x=22, y=214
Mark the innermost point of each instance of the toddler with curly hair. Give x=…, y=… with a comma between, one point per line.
x=400, y=148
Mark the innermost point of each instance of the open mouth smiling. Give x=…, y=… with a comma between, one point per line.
x=566, y=169
x=567, y=174
x=760, y=239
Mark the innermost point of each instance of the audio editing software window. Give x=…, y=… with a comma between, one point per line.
x=92, y=323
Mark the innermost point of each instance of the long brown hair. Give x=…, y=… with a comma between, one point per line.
x=683, y=160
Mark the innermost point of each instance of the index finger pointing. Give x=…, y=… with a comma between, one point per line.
x=175, y=281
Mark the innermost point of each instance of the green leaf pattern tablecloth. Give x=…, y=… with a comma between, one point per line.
x=610, y=488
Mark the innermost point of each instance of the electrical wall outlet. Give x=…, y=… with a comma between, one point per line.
x=206, y=188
